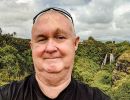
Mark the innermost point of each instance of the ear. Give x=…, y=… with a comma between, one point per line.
x=77, y=39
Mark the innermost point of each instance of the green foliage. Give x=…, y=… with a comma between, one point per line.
x=16, y=63
x=102, y=79
x=7, y=49
x=93, y=49
x=106, y=79
x=84, y=69
x=121, y=47
x=13, y=65
x=122, y=92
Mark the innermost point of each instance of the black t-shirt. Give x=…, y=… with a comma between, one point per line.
x=28, y=89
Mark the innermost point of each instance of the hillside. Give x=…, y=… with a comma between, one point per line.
x=90, y=67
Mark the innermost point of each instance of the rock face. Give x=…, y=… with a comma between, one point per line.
x=125, y=56
x=123, y=62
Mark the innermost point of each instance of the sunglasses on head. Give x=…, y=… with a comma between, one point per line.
x=62, y=11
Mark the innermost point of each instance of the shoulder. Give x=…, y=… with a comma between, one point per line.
x=93, y=92
x=8, y=90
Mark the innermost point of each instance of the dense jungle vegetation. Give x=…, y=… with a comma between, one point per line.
x=113, y=77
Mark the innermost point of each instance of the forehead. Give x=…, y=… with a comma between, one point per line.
x=52, y=15
x=52, y=20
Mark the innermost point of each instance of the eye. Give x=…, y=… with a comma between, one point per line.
x=60, y=37
x=41, y=39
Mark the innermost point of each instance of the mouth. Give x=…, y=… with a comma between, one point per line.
x=52, y=60
x=52, y=57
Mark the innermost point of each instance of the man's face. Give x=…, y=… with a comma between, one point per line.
x=53, y=43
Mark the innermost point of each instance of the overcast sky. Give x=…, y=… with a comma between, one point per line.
x=102, y=19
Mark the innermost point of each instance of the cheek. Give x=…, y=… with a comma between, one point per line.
x=69, y=56
x=68, y=49
x=37, y=51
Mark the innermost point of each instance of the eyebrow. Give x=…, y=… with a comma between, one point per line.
x=61, y=31
x=56, y=32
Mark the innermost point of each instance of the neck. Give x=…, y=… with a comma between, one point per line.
x=53, y=85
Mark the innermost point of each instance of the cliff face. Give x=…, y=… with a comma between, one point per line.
x=123, y=62
x=125, y=56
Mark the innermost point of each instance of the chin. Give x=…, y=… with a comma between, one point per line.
x=54, y=68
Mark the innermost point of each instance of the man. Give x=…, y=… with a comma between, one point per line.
x=53, y=45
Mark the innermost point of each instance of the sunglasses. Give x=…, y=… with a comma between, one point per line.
x=62, y=11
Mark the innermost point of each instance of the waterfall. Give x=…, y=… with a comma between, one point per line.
x=104, y=61
x=111, y=58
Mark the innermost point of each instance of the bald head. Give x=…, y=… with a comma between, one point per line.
x=62, y=11
x=53, y=20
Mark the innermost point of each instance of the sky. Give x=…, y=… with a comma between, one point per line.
x=105, y=20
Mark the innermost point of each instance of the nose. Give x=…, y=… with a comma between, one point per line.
x=50, y=47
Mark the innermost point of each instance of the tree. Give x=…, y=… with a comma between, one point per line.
x=9, y=61
x=92, y=49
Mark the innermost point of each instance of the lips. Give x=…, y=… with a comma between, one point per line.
x=52, y=60
x=52, y=57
